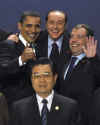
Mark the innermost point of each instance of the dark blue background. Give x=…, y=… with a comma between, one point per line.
x=79, y=11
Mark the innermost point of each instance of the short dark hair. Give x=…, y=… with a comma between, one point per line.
x=66, y=16
x=42, y=61
x=28, y=13
x=88, y=29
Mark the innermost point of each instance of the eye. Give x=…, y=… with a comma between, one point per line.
x=37, y=25
x=28, y=25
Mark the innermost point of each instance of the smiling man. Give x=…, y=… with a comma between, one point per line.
x=54, y=40
x=15, y=57
x=45, y=107
x=81, y=75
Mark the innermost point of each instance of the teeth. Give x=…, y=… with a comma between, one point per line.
x=32, y=35
x=55, y=31
x=74, y=45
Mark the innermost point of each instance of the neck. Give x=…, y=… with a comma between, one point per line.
x=44, y=95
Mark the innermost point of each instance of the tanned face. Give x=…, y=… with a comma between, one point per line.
x=30, y=28
x=55, y=24
x=77, y=40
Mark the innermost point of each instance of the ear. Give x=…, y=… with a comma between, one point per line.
x=19, y=26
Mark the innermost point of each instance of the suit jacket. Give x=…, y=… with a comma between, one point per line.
x=82, y=82
x=26, y=112
x=95, y=109
x=3, y=110
x=13, y=78
x=4, y=35
x=64, y=53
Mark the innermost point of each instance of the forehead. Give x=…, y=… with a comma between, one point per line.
x=56, y=15
x=41, y=68
x=79, y=31
x=31, y=19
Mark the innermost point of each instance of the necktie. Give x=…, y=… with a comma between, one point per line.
x=71, y=66
x=32, y=45
x=44, y=112
x=54, y=53
x=54, y=56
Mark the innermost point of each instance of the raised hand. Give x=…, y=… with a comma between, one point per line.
x=90, y=48
x=13, y=37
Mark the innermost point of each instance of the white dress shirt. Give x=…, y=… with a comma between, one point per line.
x=51, y=41
x=49, y=99
x=21, y=38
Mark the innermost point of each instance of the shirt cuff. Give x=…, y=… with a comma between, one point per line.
x=20, y=61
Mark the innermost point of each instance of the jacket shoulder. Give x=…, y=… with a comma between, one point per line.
x=64, y=99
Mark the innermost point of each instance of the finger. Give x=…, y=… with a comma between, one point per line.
x=16, y=34
x=95, y=45
x=84, y=49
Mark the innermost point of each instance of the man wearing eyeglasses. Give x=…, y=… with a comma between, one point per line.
x=45, y=107
x=15, y=57
x=81, y=75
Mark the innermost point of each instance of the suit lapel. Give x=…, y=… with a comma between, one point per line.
x=35, y=111
x=35, y=106
x=79, y=66
x=45, y=47
x=55, y=111
x=81, y=62
x=20, y=47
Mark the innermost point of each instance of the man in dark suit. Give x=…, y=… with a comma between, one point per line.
x=55, y=34
x=15, y=57
x=80, y=80
x=55, y=110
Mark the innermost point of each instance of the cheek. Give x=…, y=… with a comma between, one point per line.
x=70, y=41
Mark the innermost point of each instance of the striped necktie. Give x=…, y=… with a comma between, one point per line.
x=44, y=112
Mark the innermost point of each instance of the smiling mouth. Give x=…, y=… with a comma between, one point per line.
x=75, y=45
x=33, y=36
x=42, y=86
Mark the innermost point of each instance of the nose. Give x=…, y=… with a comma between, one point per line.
x=41, y=78
x=33, y=29
x=74, y=38
x=55, y=25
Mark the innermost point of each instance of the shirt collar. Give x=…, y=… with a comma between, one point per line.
x=81, y=56
x=48, y=98
x=58, y=42
x=23, y=40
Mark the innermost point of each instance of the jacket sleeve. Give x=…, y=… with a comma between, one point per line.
x=8, y=58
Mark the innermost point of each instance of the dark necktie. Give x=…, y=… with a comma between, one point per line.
x=54, y=53
x=54, y=56
x=71, y=66
x=44, y=112
x=32, y=45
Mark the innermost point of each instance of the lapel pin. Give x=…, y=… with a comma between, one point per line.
x=56, y=107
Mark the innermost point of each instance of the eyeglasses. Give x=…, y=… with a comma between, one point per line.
x=45, y=75
x=77, y=36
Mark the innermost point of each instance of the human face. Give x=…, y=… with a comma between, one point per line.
x=43, y=80
x=77, y=40
x=55, y=24
x=30, y=28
